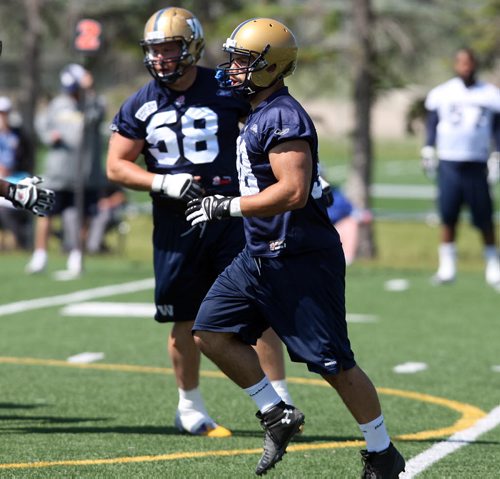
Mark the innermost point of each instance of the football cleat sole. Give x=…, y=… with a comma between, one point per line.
x=207, y=429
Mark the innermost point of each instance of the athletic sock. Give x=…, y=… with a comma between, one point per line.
x=263, y=394
x=492, y=271
x=40, y=255
x=281, y=387
x=191, y=409
x=74, y=262
x=447, y=261
x=38, y=261
x=375, y=434
x=191, y=400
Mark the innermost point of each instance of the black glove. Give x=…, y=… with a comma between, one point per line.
x=27, y=196
x=209, y=208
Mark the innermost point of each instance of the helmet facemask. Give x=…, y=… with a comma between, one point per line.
x=164, y=74
x=166, y=29
x=241, y=61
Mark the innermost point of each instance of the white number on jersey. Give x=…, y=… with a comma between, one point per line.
x=248, y=182
x=198, y=139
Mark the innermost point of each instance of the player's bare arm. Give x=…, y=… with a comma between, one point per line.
x=291, y=163
x=121, y=166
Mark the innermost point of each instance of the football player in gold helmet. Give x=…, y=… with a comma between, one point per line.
x=291, y=274
x=173, y=40
x=186, y=127
x=261, y=52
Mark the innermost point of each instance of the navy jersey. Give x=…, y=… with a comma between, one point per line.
x=278, y=119
x=193, y=131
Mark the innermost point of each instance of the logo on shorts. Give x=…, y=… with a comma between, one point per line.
x=331, y=366
x=166, y=309
x=277, y=245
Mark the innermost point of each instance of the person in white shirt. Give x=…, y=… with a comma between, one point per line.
x=463, y=121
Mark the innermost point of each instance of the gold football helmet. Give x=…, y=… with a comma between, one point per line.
x=172, y=24
x=266, y=51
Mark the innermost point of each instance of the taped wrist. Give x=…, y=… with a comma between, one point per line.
x=235, y=207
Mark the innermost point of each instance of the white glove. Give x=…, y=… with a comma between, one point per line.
x=27, y=196
x=180, y=187
x=494, y=168
x=327, y=191
x=429, y=161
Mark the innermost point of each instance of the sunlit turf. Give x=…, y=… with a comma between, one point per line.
x=51, y=411
x=59, y=413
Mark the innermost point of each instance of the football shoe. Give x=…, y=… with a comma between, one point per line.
x=387, y=464
x=205, y=427
x=280, y=424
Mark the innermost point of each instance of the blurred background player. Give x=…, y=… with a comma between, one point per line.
x=14, y=166
x=70, y=127
x=110, y=211
x=291, y=274
x=463, y=118
x=25, y=194
x=186, y=128
x=9, y=141
x=346, y=219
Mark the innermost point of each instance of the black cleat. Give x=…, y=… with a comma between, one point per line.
x=280, y=424
x=387, y=464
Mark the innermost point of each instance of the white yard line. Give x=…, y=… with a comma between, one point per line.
x=85, y=358
x=100, y=309
x=442, y=449
x=84, y=295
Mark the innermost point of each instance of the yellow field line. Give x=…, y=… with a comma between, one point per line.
x=469, y=415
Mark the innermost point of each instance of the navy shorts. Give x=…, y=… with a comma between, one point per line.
x=301, y=297
x=187, y=260
x=462, y=183
x=66, y=199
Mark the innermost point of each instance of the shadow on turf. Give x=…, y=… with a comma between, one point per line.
x=172, y=431
x=11, y=405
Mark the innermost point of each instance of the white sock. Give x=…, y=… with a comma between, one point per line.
x=74, y=262
x=39, y=255
x=281, y=387
x=191, y=400
x=492, y=265
x=263, y=394
x=191, y=409
x=447, y=261
x=38, y=261
x=375, y=434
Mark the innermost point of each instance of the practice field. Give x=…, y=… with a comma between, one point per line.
x=432, y=352
x=86, y=389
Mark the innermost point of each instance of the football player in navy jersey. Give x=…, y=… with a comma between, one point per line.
x=186, y=127
x=462, y=120
x=25, y=194
x=291, y=274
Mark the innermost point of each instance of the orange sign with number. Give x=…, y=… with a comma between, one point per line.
x=88, y=35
